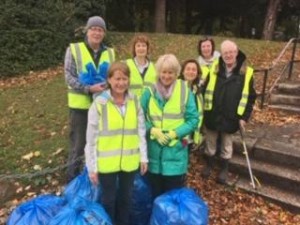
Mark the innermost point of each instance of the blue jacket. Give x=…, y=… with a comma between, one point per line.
x=168, y=160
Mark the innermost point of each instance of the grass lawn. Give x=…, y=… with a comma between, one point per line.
x=33, y=119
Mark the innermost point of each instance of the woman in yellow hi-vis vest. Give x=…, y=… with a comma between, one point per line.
x=207, y=55
x=116, y=145
x=228, y=103
x=142, y=71
x=85, y=63
x=191, y=72
x=171, y=115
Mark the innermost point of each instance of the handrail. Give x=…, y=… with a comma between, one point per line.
x=273, y=64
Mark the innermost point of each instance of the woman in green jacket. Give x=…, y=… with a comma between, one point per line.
x=171, y=115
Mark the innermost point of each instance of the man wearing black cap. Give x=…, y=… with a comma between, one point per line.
x=84, y=60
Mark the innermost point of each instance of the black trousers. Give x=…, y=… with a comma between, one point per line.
x=161, y=184
x=116, y=195
x=78, y=126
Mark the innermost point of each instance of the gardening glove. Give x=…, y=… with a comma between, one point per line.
x=171, y=135
x=157, y=134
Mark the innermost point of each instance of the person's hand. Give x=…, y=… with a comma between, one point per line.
x=242, y=125
x=94, y=178
x=143, y=168
x=97, y=88
x=171, y=135
x=157, y=134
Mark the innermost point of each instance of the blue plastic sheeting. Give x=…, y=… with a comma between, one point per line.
x=81, y=186
x=81, y=212
x=179, y=207
x=38, y=211
x=141, y=208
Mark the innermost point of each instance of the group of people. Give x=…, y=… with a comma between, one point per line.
x=147, y=116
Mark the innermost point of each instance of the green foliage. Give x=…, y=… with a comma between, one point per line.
x=34, y=35
x=30, y=49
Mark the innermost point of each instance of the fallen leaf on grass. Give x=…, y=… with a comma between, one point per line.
x=37, y=167
x=59, y=150
x=28, y=156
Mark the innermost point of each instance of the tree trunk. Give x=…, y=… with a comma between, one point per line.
x=270, y=19
x=176, y=23
x=160, y=16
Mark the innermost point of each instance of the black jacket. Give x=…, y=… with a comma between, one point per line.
x=227, y=94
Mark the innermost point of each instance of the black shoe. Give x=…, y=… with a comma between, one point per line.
x=209, y=165
x=223, y=175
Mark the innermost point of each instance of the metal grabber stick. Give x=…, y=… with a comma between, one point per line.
x=247, y=157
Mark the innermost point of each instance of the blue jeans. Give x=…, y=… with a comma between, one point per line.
x=116, y=195
x=78, y=126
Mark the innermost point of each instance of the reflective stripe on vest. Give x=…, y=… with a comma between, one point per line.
x=118, y=141
x=82, y=57
x=245, y=93
x=172, y=114
x=137, y=83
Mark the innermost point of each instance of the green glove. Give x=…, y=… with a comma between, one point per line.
x=157, y=134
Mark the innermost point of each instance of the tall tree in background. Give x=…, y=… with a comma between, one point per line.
x=270, y=19
x=160, y=16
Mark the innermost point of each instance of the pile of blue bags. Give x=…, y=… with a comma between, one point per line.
x=79, y=205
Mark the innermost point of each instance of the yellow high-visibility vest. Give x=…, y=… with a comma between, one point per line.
x=197, y=138
x=82, y=57
x=118, y=141
x=205, y=72
x=209, y=93
x=137, y=83
x=172, y=115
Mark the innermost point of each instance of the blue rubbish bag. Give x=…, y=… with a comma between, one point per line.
x=81, y=212
x=141, y=207
x=81, y=186
x=179, y=207
x=37, y=211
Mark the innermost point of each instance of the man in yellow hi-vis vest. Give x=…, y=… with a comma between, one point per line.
x=86, y=64
x=228, y=103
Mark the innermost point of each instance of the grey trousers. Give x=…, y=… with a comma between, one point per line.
x=78, y=126
x=211, y=144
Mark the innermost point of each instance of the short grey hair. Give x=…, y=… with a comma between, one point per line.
x=169, y=62
x=230, y=44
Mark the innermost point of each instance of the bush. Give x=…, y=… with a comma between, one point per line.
x=30, y=49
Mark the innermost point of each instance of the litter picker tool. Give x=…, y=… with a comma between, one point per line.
x=247, y=157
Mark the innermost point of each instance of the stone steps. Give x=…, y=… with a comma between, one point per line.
x=270, y=151
x=286, y=97
x=275, y=163
x=288, y=200
x=285, y=108
x=289, y=88
x=282, y=177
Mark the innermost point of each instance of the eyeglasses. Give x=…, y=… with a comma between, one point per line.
x=94, y=29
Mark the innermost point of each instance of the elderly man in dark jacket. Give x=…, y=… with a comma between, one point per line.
x=229, y=99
